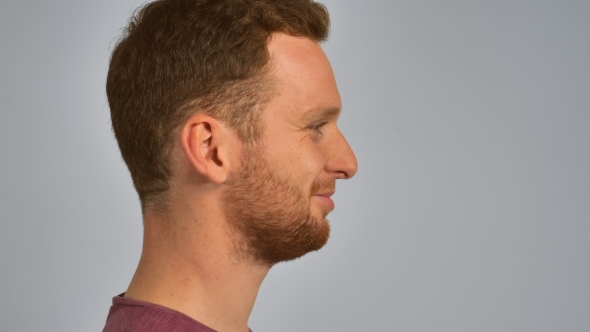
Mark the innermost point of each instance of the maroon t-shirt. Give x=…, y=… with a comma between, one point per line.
x=127, y=315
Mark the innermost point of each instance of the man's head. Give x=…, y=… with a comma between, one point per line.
x=189, y=70
x=179, y=57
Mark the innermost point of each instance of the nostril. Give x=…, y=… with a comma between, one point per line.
x=343, y=175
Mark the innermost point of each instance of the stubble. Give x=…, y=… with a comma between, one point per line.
x=270, y=217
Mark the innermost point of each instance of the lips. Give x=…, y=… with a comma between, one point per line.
x=324, y=199
x=321, y=191
x=326, y=194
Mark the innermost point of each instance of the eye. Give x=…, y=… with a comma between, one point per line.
x=317, y=127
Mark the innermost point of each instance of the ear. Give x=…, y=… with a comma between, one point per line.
x=206, y=143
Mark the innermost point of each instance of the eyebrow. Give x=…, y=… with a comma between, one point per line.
x=318, y=114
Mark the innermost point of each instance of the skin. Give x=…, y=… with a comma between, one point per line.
x=270, y=215
x=190, y=261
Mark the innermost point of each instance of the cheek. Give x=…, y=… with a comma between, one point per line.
x=302, y=163
x=310, y=162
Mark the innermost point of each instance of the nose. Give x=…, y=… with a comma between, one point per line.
x=341, y=158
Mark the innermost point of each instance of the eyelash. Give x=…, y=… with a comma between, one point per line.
x=317, y=127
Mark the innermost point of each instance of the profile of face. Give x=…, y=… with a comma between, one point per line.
x=278, y=201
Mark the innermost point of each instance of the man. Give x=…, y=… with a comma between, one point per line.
x=225, y=113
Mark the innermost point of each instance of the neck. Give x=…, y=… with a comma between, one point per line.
x=188, y=265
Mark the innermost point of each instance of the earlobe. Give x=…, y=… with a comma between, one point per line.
x=204, y=144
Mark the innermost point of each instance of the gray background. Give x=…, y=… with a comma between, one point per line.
x=470, y=210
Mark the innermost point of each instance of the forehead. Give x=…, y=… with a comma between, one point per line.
x=305, y=81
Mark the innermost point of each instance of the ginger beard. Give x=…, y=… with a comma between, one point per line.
x=271, y=218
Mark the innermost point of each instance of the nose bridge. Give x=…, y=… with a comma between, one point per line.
x=341, y=158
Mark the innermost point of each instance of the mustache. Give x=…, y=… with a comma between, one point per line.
x=322, y=186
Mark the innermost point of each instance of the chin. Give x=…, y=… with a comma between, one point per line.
x=320, y=212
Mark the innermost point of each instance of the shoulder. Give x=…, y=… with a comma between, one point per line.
x=128, y=315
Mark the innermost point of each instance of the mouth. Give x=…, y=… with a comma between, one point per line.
x=325, y=199
x=325, y=194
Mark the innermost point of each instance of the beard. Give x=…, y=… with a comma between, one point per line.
x=270, y=218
